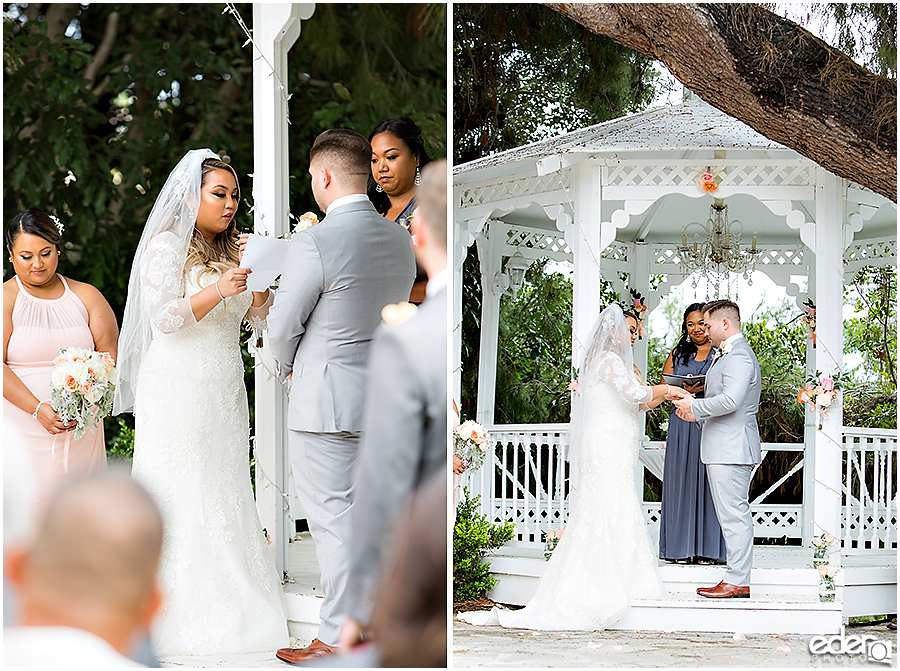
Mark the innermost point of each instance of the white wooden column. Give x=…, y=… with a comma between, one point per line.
x=491, y=263
x=829, y=280
x=810, y=426
x=585, y=246
x=275, y=29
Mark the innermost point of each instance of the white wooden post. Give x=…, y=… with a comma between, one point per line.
x=585, y=246
x=491, y=263
x=275, y=29
x=809, y=429
x=829, y=279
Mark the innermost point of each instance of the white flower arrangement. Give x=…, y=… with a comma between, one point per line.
x=83, y=385
x=470, y=444
x=306, y=220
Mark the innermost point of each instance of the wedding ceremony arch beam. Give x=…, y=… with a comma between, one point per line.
x=276, y=28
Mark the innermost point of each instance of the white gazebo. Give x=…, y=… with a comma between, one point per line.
x=613, y=199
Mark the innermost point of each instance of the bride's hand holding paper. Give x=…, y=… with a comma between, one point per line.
x=263, y=256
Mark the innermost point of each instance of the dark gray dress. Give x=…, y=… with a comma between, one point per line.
x=688, y=526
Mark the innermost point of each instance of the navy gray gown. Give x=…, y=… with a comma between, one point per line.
x=688, y=525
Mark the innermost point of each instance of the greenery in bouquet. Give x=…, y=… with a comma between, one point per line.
x=470, y=444
x=83, y=387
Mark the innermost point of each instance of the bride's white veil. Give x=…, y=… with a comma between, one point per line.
x=174, y=211
x=610, y=334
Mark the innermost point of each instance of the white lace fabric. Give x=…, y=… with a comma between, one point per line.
x=222, y=593
x=605, y=559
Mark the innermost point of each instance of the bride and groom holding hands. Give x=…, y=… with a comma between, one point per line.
x=221, y=590
x=605, y=560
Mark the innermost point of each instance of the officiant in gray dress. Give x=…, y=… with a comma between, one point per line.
x=689, y=531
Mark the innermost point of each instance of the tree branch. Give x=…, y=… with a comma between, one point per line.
x=106, y=44
x=770, y=73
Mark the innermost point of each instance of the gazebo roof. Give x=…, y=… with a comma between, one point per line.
x=692, y=131
x=689, y=126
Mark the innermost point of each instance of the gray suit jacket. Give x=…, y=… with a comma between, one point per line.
x=404, y=437
x=728, y=412
x=338, y=276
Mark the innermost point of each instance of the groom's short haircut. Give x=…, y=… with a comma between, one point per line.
x=345, y=151
x=732, y=311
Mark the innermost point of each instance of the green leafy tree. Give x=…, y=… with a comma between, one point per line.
x=522, y=73
x=101, y=100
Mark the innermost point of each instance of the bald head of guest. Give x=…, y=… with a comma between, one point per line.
x=93, y=562
x=430, y=223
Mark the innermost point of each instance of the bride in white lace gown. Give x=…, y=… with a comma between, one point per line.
x=181, y=368
x=604, y=560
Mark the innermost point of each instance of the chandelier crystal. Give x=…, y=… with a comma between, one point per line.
x=720, y=251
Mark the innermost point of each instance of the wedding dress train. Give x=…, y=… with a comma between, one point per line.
x=221, y=591
x=604, y=560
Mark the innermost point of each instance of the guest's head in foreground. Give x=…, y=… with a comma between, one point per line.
x=429, y=226
x=92, y=565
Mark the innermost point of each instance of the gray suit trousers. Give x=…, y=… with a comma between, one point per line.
x=729, y=485
x=322, y=464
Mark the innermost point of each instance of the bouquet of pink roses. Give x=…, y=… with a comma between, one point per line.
x=83, y=385
x=470, y=443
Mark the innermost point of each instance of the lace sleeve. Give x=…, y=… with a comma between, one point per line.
x=612, y=371
x=256, y=316
x=162, y=281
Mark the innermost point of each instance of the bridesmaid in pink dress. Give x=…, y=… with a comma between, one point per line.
x=42, y=313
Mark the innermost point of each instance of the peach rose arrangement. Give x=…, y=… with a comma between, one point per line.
x=470, y=443
x=83, y=385
x=821, y=393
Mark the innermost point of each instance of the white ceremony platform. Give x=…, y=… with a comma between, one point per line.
x=613, y=200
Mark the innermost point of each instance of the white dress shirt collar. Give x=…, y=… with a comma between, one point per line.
x=436, y=283
x=344, y=200
x=732, y=338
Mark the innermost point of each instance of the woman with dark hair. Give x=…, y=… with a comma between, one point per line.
x=181, y=371
x=43, y=312
x=689, y=530
x=398, y=156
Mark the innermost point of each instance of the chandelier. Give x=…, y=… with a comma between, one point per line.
x=720, y=251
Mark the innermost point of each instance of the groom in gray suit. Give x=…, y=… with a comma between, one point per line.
x=729, y=443
x=338, y=276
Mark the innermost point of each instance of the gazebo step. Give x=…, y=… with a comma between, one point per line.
x=758, y=615
x=303, y=615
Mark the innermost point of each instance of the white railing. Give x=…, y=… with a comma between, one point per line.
x=869, y=494
x=524, y=480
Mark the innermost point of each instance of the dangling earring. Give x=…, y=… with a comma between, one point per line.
x=418, y=177
x=378, y=188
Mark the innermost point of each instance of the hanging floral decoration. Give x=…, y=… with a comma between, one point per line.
x=821, y=393
x=709, y=181
x=810, y=319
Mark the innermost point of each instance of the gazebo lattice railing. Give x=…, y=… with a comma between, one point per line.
x=529, y=486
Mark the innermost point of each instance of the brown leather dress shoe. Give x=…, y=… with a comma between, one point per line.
x=315, y=650
x=725, y=590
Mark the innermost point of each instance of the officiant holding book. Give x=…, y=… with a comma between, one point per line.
x=689, y=531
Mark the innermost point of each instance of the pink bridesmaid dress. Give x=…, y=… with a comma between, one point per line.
x=42, y=327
